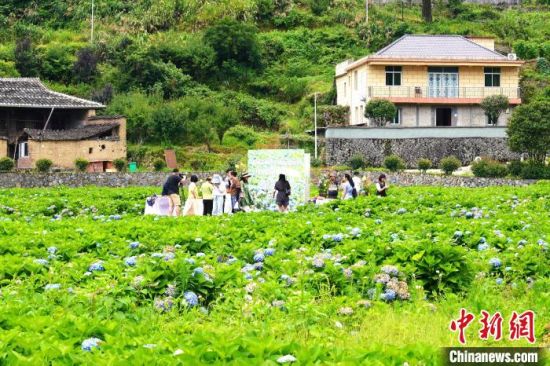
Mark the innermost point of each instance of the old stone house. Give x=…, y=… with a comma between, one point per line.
x=437, y=84
x=38, y=123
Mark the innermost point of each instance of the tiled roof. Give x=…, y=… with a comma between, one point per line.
x=437, y=47
x=80, y=133
x=31, y=93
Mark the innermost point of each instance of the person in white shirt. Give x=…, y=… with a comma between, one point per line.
x=218, y=194
x=348, y=188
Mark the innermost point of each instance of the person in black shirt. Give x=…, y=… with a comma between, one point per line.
x=171, y=188
x=282, y=190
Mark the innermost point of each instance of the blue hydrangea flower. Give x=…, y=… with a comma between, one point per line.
x=190, y=260
x=259, y=257
x=200, y=255
x=231, y=260
x=41, y=261
x=130, y=261
x=318, y=262
x=258, y=266
x=499, y=281
x=90, y=343
x=191, y=298
x=495, y=262
x=483, y=246
x=327, y=237
x=284, y=277
x=458, y=234
x=508, y=269
x=337, y=237
x=198, y=271
x=269, y=251
x=164, y=304
x=52, y=286
x=115, y=217
x=388, y=295
x=170, y=290
x=247, y=268
x=371, y=292
x=378, y=221
x=134, y=244
x=469, y=215
x=52, y=250
x=482, y=240
x=355, y=232
x=401, y=211
x=248, y=276
x=97, y=266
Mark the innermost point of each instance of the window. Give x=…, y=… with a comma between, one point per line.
x=355, y=79
x=362, y=114
x=397, y=119
x=393, y=75
x=357, y=115
x=492, y=76
x=443, y=82
x=23, y=150
x=90, y=150
x=345, y=89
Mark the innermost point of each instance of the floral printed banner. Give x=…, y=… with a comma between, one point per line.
x=265, y=167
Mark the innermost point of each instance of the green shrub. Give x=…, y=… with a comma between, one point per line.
x=535, y=170
x=394, y=163
x=357, y=162
x=440, y=267
x=120, y=164
x=515, y=167
x=81, y=164
x=6, y=164
x=43, y=165
x=487, y=168
x=316, y=163
x=424, y=164
x=159, y=165
x=240, y=136
x=449, y=164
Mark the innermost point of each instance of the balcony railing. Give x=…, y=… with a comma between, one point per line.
x=445, y=92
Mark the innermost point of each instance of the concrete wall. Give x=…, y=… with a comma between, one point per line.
x=340, y=150
x=466, y=115
x=155, y=179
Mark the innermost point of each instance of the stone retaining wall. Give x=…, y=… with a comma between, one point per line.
x=31, y=180
x=374, y=151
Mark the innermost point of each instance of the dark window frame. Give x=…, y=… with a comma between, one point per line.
x=492, y=77
x=393, y=75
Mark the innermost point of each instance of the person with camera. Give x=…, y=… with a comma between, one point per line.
x=171, y=188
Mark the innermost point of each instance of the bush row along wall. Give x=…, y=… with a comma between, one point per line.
x=374, y=151
x=156, y=179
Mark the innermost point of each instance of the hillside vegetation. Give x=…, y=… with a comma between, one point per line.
x=184, y=72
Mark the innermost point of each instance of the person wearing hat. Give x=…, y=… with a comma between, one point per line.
x=245, y=201
x=218, y=195
x=207, y=190
x=381, y=185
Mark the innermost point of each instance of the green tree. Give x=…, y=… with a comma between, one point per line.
x=493, y=106
x=85, y=66
x=529, y=130
x=380, y=111
x=25, y=58
x=234, y=41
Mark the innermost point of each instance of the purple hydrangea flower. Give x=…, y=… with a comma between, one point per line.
x=97, y=266
x=52, y=250
x=495, y=262
x=388, y=295
x=134, y=244
x=391, y=270
x=482, y=247
x=337, y=237
x=191, y=298
x=269, y=251
x=259, y=257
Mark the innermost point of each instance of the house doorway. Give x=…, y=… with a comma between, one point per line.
x=443, y=117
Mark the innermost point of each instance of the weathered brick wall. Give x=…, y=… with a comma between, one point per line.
x=156, y=179
x=339, y=151
x=64, y=153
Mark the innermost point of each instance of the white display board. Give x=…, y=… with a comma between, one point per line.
x=265, y=167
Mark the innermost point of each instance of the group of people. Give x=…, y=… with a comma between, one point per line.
x=218, y=195
x=351, y=186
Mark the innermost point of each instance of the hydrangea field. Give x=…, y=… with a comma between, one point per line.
x=86, y=279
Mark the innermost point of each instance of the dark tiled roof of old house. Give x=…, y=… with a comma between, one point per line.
x=74, y=134
x=31, y=93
